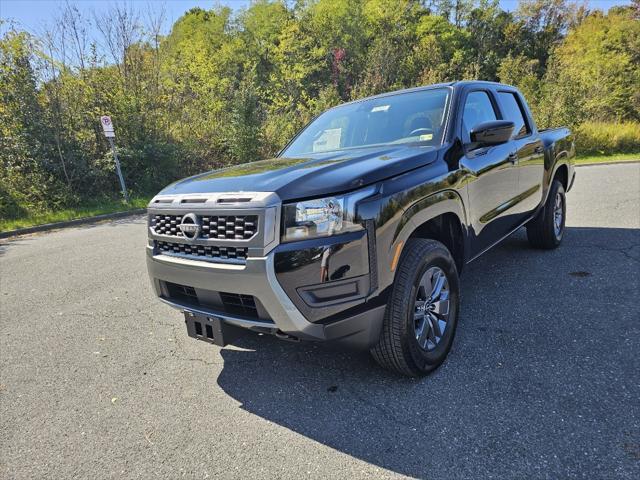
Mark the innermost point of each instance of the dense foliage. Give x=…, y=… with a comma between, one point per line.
x=223, y=88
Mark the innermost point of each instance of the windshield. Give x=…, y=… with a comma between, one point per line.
x=396, y=119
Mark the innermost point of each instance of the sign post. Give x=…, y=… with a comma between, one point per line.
x=107, y=127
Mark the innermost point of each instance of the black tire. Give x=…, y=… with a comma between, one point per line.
x=398, y=348
x=541, y=231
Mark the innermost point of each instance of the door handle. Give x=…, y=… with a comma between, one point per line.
x=513, y=157
x=539, y=150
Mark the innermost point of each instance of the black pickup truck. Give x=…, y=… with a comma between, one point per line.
x=357, y=232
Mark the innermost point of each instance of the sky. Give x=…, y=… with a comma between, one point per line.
x=34, y=15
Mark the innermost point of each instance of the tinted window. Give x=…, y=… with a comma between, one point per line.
x=477, y=109
x=512, y=111
x=416, y=117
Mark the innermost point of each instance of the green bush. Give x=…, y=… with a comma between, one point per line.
x=600, y=138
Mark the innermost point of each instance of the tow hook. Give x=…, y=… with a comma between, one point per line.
x=285, y=336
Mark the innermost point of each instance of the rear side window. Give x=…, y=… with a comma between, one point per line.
x=513, y=111
x=477, y=109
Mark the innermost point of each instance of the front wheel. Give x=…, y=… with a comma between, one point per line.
x=547, y=228
x=422, y=314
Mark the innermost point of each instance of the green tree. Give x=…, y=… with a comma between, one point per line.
x=27, y=166
x=522, y=72
x=594, y=74
x=543, y=24
x=442, y=51
x=487, y=26
x=391, y=36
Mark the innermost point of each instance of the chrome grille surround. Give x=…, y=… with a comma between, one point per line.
x=246, y=224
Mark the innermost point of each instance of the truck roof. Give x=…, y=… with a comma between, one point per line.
x=458, y=83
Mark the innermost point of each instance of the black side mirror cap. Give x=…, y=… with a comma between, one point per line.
x=492, y=133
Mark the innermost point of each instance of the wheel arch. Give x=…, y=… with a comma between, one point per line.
x=560, y=171
x=440, y=216
x=562, y=174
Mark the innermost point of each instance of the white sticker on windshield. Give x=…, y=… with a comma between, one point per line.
x=380, y=108
x=329, y=140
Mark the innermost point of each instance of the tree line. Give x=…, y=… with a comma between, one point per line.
x=224, y=87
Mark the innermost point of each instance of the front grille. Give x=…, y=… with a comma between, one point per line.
x=227, y=227
x=239, y=304
x=206, y=252
x=183, y=293
x=166, y=225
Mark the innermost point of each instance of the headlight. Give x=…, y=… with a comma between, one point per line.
x=322, y=217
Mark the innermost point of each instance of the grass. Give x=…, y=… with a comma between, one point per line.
x=617, y=157
x=89, y=210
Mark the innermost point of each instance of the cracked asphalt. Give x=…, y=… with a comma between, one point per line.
x=99, y=380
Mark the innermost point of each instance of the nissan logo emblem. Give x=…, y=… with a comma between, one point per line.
x=190, y=226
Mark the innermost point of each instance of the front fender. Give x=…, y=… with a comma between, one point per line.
x=425, y=209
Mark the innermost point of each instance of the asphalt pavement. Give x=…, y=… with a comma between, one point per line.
x=98, y=379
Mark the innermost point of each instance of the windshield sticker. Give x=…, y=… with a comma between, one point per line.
x=329, y=140
x=426, y=137
x=380, y=108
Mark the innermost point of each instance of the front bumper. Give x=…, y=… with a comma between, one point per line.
x=257, y=277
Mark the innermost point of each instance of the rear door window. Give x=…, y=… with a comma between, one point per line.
x=512, y=110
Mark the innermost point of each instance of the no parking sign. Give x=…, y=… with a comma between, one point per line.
x=107, y=126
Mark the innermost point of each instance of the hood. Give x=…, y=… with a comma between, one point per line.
x=315, y=175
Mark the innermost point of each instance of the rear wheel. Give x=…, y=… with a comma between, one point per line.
x=547, y=228
x=422, y=314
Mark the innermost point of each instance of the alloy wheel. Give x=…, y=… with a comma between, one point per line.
x=431, y=308
x=558, y=214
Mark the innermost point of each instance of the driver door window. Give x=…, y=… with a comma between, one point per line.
x=477, y=109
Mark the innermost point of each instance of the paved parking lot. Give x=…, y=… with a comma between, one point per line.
x=99, y=380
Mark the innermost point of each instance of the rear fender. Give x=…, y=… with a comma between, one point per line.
x=560, y=152
x=561, y=161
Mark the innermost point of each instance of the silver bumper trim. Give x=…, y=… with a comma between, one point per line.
x=256, y=277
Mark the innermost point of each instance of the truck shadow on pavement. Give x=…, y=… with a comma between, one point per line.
x=529, y=389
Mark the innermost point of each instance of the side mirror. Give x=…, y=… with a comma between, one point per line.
x=492, y=133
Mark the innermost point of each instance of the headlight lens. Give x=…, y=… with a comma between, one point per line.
x=322, y=217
